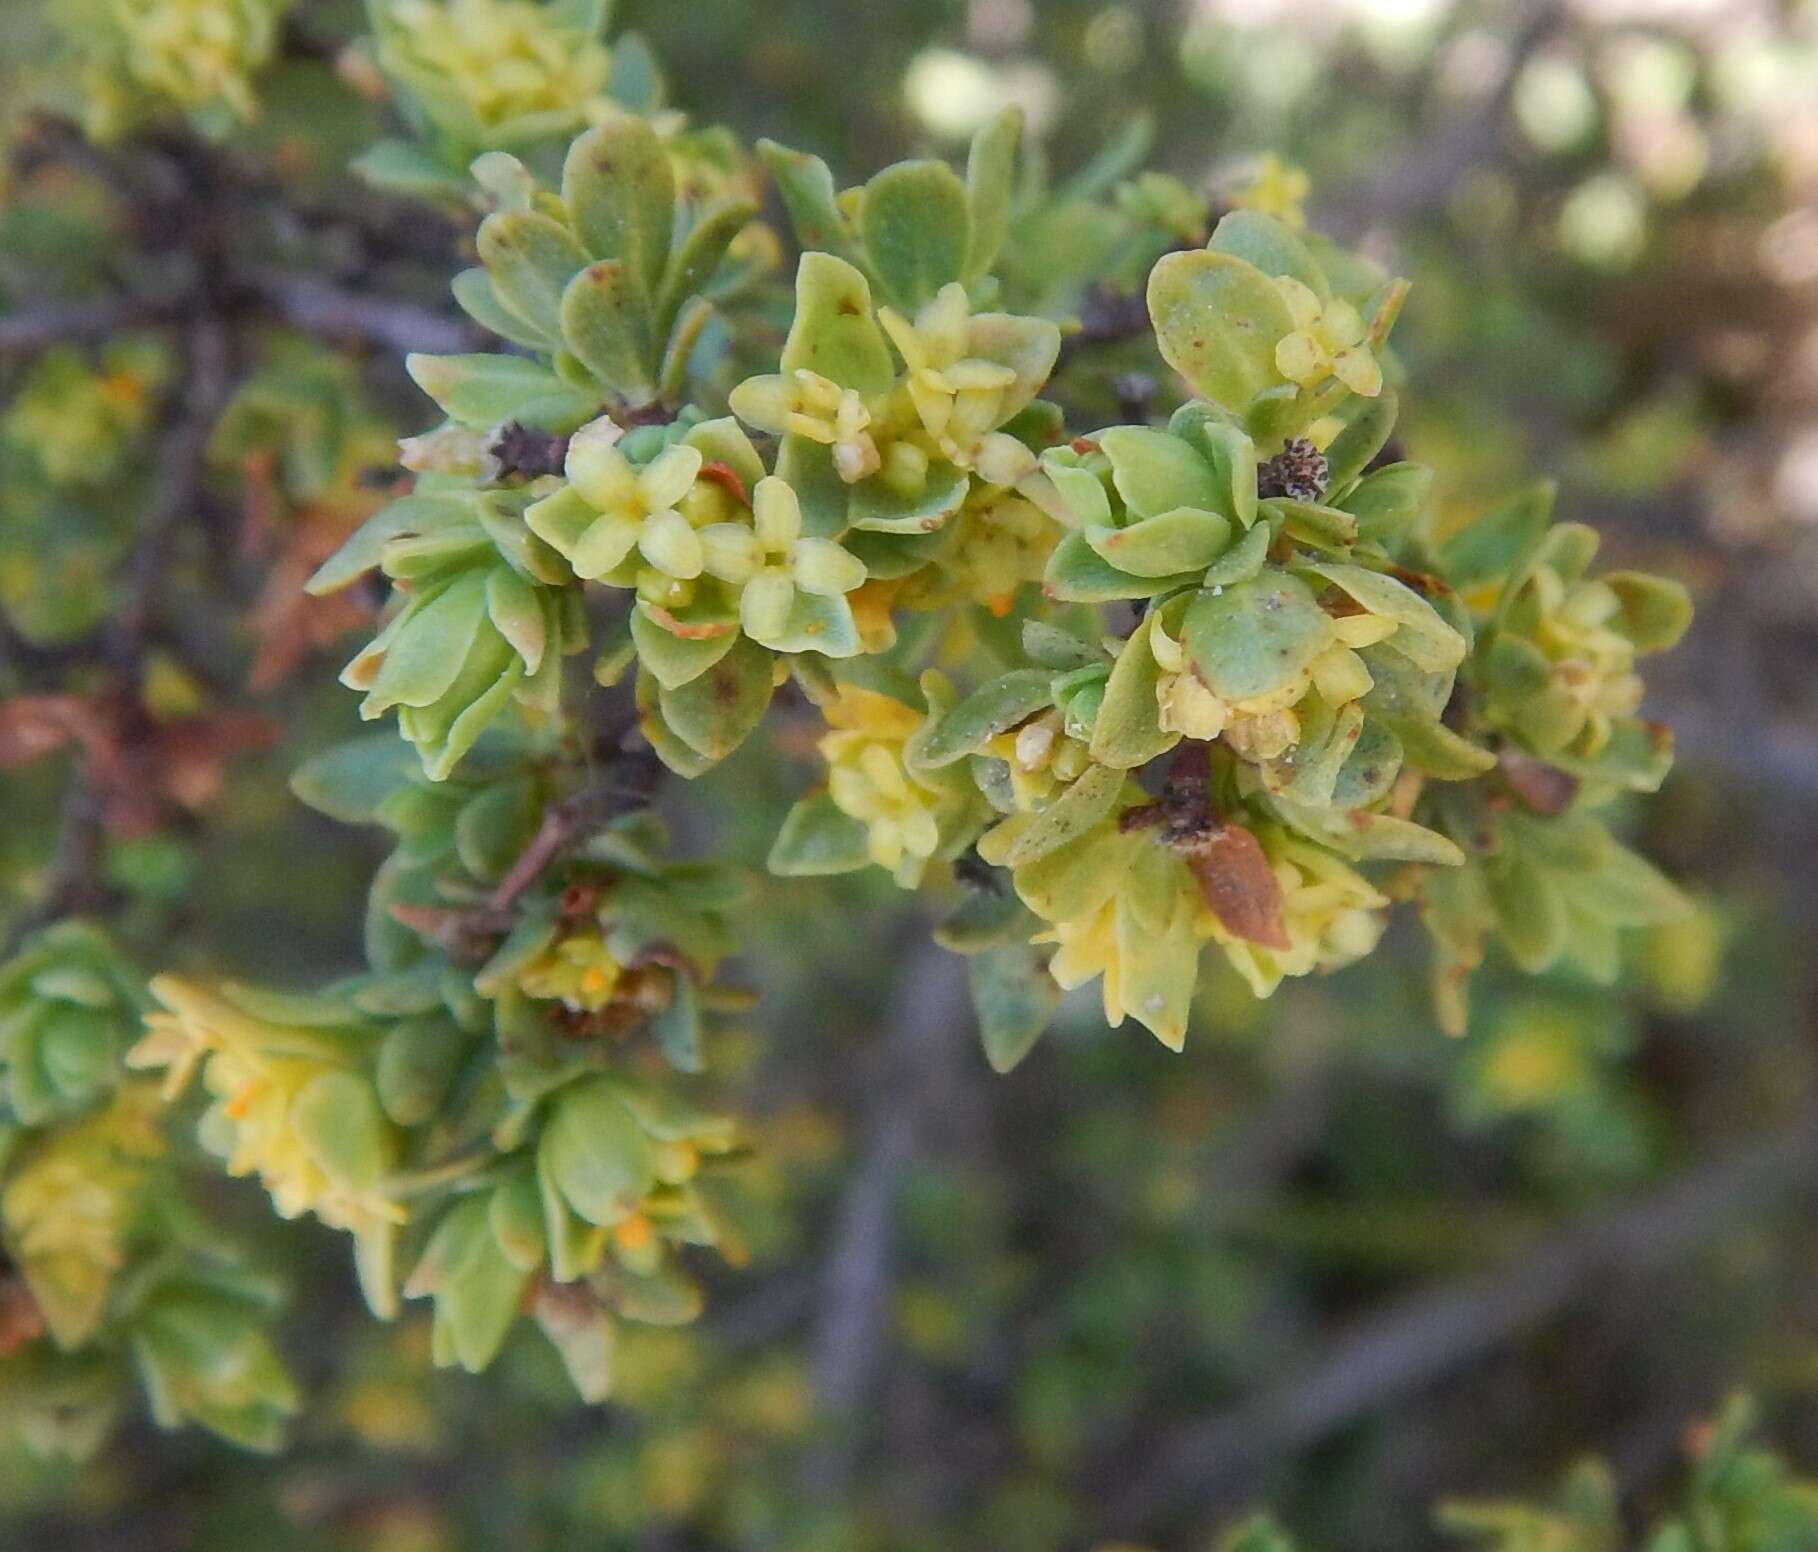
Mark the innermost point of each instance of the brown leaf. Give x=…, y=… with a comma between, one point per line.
x=1546, y=789
x=1239, y=885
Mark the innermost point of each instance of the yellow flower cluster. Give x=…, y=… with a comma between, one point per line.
x=578, y=971
x=305, y=1125
x=197, y=53
x=70, y=1205
x=959, y=399
x=1591, y=676
x=494, y=70
x=870, y=781
x=1278, y=189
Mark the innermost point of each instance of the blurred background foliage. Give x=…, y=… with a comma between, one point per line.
x=1327, y=1259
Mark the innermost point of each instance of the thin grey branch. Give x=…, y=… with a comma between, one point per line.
x=323, y=308
x=1435, y=1331
x=33, y=329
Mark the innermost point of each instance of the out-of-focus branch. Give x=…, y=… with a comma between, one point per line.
x=38, y=328
x=909, y=1087
x=1435, y=1331
x=207, y=376
x=1426, y=177
x=319, y=307
x=74, y=884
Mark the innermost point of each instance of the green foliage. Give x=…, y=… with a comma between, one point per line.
x=1113, y=638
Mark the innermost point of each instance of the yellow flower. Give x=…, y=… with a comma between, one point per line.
x=1330, y=912
x=772, y=559
x=269, y=1117
x=1043, y=758
x=959, y=399
x=494, y=72
x=1329, y=339
x=610, y=510
x=808, y=405
x=1001, y=541
x=1120, y=906
x=1279, y=189
x=1591, y=671
x=578, y=971
x=869, y=780
x=198, y=53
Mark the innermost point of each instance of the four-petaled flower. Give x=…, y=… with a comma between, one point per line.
x=1329, y=339
x=773, y=560
x=610, y=507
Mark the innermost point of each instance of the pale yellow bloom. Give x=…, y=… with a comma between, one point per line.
x=197, y=52
x=869, y=780
x=504, y=63
x=70, y=1206
x=255, y=1085
x=808, y=405
x=1592, y=664
x=578, y=971
x=1329, y=339
x=1279, y=189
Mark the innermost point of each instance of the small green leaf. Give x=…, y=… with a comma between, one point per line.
x=1489, y=548
x=1530, y=912
x=351, y=780
x=1217, y=322
x=693, y=264
x=718, y=710
x=676, y=660
x=595, y=1154
x=917, y=225
x=990, y=186
x=416, y=1066
x=1272, y=246
x=481, y=391
x=620, y=191
x=1156, y=472
x=605, y=322
x=818, y=838
x=1188, y=539
x=337, y=1117
x=530, y=259
x=1077, y=573
x=1079, y=809
x=1387, y=502
x=835, y=332
x=807, y=189
x=1014, y=998
x=474, y=293
x=1368, y=425
x=1252, y=638
x=1656, y=611
x=991, y=709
